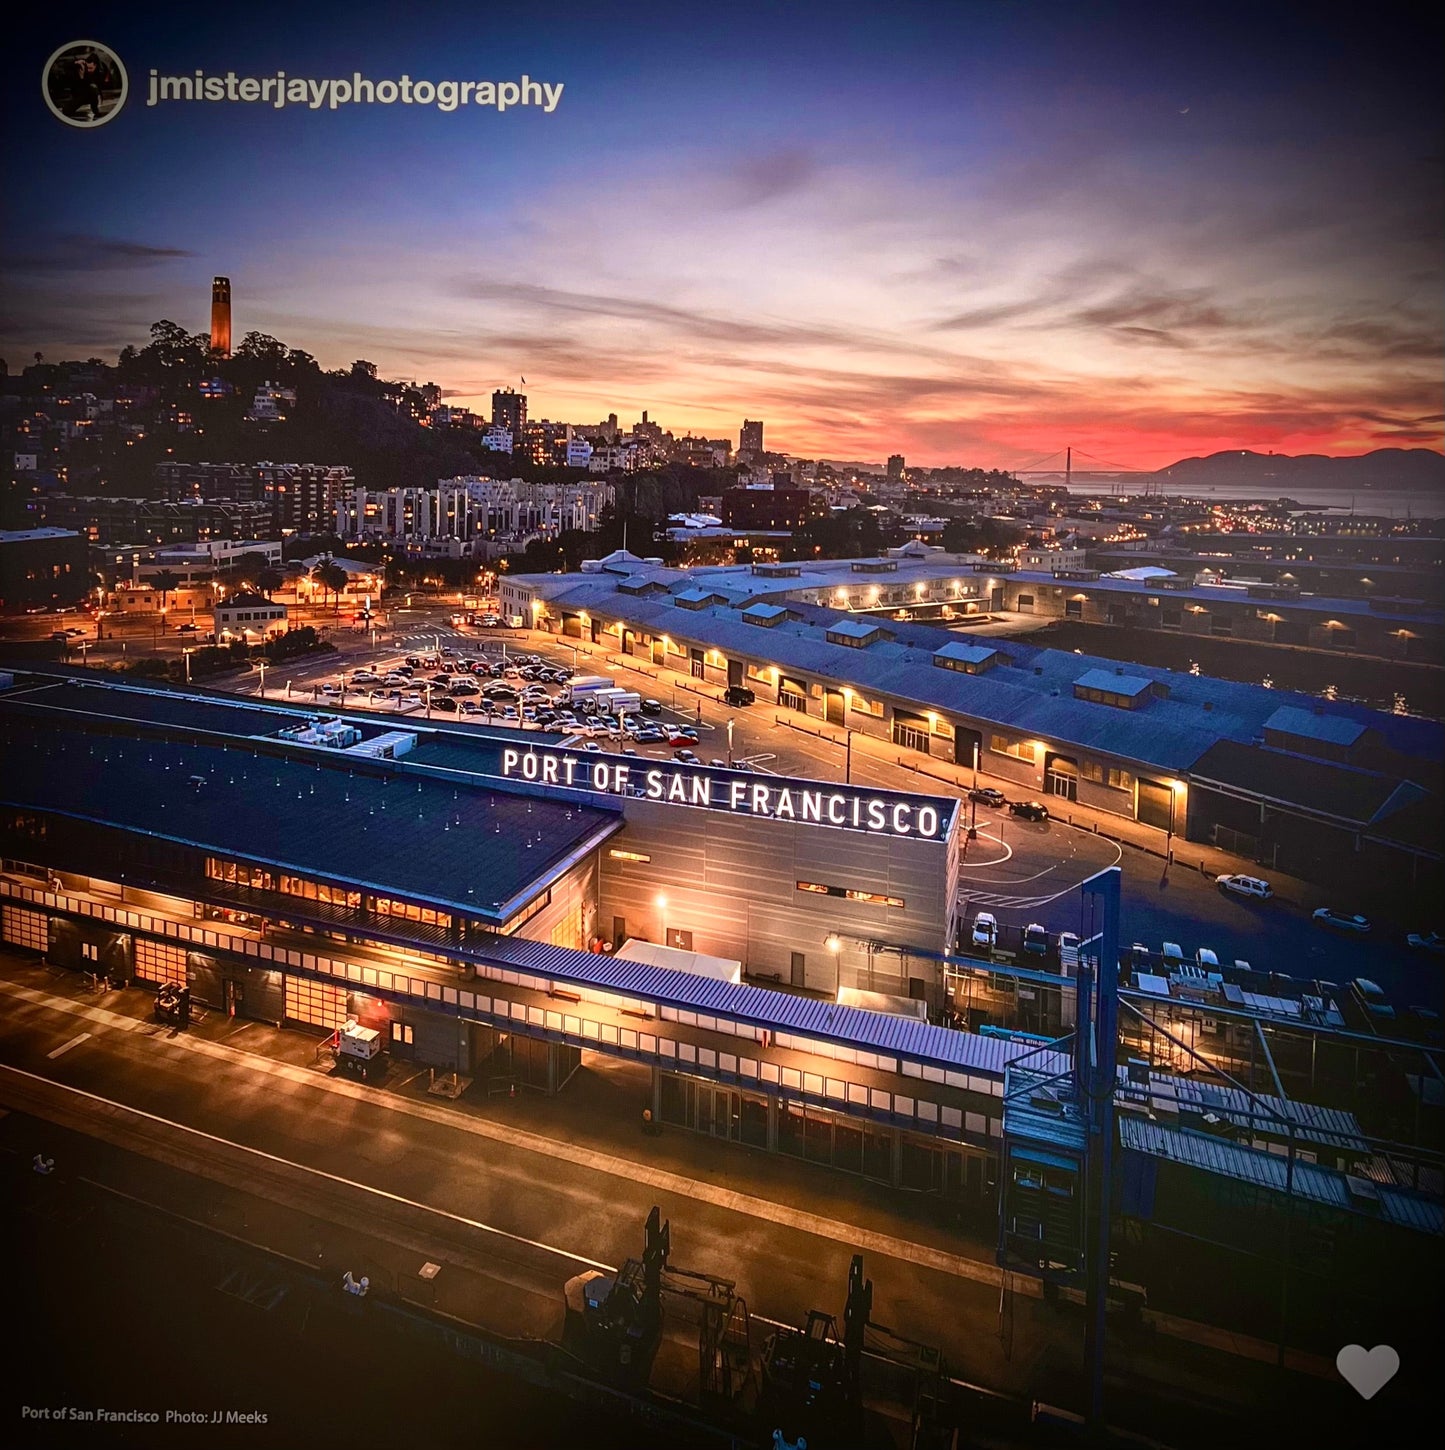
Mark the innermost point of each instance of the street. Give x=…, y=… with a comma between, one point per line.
x=511, y=1195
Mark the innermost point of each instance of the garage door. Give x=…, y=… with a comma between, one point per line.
x=160, y=962
x=24, y=928
x=319, y=1003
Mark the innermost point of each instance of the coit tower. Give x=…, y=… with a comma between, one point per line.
x=221, y=316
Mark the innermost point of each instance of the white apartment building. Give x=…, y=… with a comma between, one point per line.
x=471, y=510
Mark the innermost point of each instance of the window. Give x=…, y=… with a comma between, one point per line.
x=1019, y=749
x=872, y=898
x=401, y=1033
x=619, y=855
x=1109, y=775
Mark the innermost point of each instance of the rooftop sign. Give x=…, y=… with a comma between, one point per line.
x=812, y=803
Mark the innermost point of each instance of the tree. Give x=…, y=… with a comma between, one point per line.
x=165, y=580
x=332, y=578
x=263, y=347
x=268, y=580
x=171, y=346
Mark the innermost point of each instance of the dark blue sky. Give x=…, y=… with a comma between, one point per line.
x=952, y=230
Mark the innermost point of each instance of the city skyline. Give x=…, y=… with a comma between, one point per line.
x=969, y=239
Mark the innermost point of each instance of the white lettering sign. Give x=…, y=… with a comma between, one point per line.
x=684, y=785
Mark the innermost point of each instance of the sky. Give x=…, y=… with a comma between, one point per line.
x=970, y=233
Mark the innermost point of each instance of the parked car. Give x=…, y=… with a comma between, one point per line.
x=1029, y=810
x=985, y=930
x=739, y=695
x=59, y=636
x=1430, y=941
x=1340, y=920
x=1250, y=886
x=688, y=757
x=1036, y=939
x=180, y=629
x=445, y=703
x=986, y=795
x=593, y=746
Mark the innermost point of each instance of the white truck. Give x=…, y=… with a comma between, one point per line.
x=617, y=701
x=584, y=687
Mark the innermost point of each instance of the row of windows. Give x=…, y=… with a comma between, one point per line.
x=1109, y=775
x=872, y=898
x=258, y=878
x=1020, y=749
x=1105, y=697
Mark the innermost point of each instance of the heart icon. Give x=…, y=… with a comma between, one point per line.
x=1368, y=1370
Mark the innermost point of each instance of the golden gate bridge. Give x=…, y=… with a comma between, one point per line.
x=1099, y=468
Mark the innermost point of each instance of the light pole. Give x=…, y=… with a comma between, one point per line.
x=261, y=666
x=186, y=655
x=662, y=916
x=834, y=943
x=730, y=740
x=847, y=756
x=975, y=765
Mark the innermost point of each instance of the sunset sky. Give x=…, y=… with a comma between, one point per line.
x=970, y=233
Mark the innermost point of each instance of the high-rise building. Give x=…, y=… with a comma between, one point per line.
x=509, y=411
x=895, y=465
x=221, y=316
x=750, y=440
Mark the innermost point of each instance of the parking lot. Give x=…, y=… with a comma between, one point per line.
x=489, y=682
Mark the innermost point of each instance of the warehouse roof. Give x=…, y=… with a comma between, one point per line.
x=1321, y=787
x=1332, y=729
x=477, y=849
x=1030, y=691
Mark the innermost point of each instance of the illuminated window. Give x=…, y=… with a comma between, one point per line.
x=871, y=898
x=1019, y=749
x=619, y=855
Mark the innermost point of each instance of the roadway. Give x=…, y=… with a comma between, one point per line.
x=512, y=1198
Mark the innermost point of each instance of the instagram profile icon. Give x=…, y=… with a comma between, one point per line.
x=84, y=84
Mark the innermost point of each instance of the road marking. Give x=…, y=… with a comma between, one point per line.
x=784, y=1215
x=66, y=1046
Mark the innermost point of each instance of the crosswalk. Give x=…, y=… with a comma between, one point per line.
x=1004, y=901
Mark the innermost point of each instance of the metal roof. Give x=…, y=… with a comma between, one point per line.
x=1115, y=682
x=473, y=848
x=1271, y=1171
x=1029, y=690
x=857, y=1027
x=1291, y=720
x=856, y=628
x=969, y=654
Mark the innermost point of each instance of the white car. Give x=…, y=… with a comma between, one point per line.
x=985, y=930
x=1250, y=886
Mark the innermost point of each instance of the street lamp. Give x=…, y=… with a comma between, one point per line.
x=261, y=665
x=730, y=740
x=662, y=916
x=834, y=943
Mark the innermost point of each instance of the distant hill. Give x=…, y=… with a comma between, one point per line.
x=1278, y=473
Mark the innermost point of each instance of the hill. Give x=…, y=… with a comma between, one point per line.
x=1278, y=473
